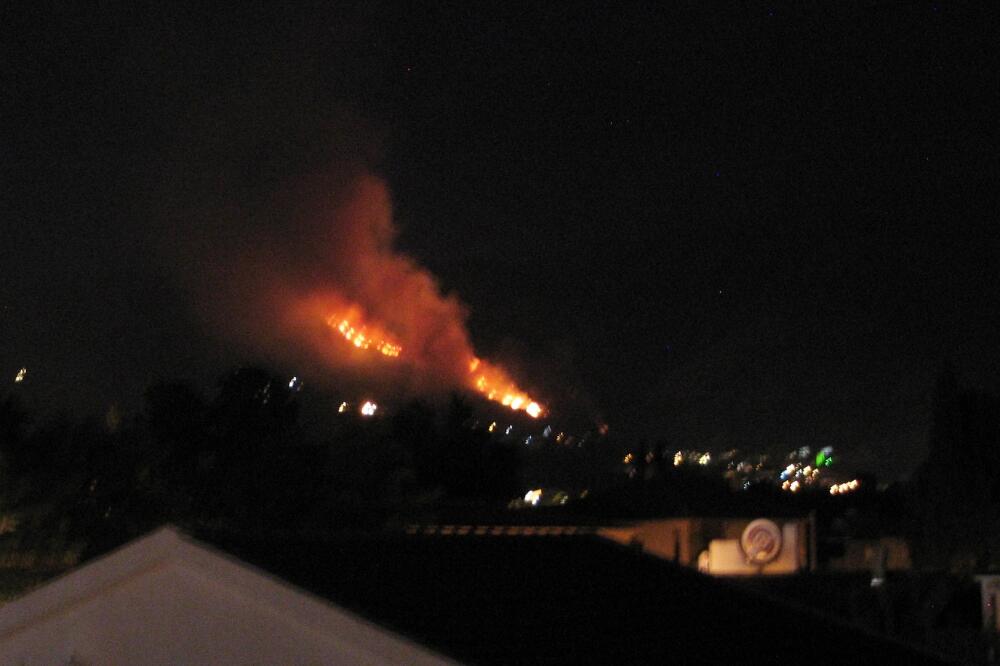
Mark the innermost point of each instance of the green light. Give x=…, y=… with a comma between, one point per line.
x=820, y=458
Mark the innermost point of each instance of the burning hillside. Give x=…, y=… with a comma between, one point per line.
x=484, y=378
x=319, y=279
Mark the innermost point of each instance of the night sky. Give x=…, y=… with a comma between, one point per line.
x=764, y=226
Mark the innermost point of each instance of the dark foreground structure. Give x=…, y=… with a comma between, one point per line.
x=565, y=599
x=393, y=597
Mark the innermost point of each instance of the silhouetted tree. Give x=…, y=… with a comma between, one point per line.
x=957, y=490
x=14, y=421
x=252, y=425
x=415, y=428
x=472, y=464
x=176, y=439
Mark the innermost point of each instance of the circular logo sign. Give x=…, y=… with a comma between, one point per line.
x=761, y=541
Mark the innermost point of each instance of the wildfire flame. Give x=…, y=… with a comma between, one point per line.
x=483, y=377
x=493, y=383
x=360, y=337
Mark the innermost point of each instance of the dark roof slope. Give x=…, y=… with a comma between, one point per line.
x=502, y=600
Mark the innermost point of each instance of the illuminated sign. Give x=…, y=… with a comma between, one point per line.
x=761, y=541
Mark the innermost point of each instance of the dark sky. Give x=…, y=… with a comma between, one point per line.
x=763, y=226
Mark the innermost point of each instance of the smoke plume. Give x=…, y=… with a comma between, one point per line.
x=309, y=275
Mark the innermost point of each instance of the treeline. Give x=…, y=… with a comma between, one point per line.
x=242, y=460
x=237, y=460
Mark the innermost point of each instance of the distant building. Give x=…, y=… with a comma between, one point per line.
x=713, y=544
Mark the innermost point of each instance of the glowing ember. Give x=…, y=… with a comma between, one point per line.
x=361, y=338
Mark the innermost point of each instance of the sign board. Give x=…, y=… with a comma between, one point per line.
x=761, y=541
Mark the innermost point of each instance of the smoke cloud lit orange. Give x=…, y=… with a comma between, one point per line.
x=410, y=321
x=320, y=279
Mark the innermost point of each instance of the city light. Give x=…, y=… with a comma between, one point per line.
x=797, y=473
x=19, y=377
x=843, y=488
x=368, y=409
